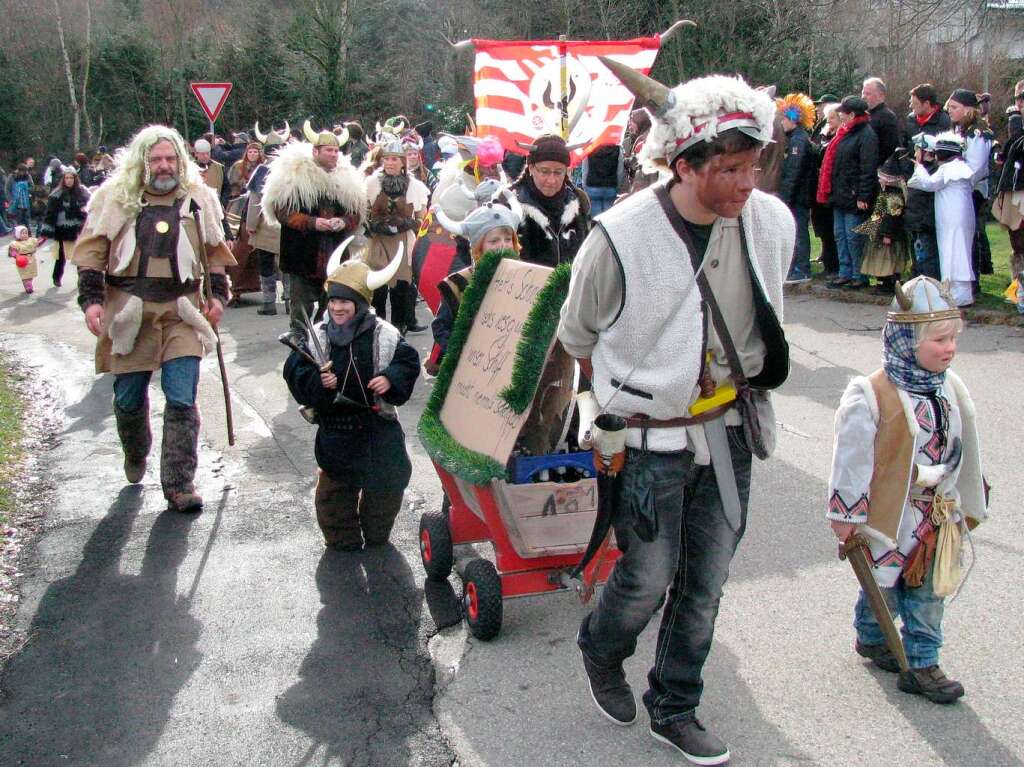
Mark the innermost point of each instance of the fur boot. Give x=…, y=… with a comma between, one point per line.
x=179, y=457
x=136, y=439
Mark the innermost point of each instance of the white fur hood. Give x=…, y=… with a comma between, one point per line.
x=296, y=182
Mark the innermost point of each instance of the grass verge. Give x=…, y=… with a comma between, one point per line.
x=10, y=439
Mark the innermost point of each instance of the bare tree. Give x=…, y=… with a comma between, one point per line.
x=77, y=98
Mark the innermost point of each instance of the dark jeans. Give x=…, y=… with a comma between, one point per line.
x=58, y=265
x=689, y=556
x=926, y=255
x=304, y=293
x=821, y=220
x=601, y=198
x=403, y=304
x=981, y=253
x=801, y=266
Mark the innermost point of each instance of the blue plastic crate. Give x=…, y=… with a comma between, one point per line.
x=524, y=468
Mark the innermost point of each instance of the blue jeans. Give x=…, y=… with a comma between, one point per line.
x=801, y=267
x=601, y=198
x=689, y=556
x=849, y=244
x=179, y=379
x=926, y=255
x=920, y=613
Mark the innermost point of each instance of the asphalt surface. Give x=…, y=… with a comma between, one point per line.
x=232, y=638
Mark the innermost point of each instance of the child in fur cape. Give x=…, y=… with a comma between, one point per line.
x=910, y=425
x=23, y=251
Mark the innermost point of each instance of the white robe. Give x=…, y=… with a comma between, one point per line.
x=954, y=223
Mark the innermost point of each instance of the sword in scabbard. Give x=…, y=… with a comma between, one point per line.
x=855, y=551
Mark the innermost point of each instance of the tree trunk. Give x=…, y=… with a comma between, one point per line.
x=85, y=75
x=76, y=109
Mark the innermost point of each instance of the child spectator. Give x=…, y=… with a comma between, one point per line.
x=954, y=212
x=23, y=251
x=887, y=253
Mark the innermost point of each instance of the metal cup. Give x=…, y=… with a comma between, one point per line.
x=608, y=435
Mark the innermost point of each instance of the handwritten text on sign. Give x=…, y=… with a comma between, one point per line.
x=473, y=412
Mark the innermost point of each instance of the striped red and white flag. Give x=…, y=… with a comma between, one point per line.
x=517, y=87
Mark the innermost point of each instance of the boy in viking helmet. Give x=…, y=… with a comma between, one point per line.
x=368, y=371
x=906, y=473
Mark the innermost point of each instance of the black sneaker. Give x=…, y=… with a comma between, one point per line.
x=878, y=654
x=414, y=328
x=610, y=691
x=692, y=740
x=932, y=683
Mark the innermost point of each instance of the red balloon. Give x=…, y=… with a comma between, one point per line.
x=21, y=261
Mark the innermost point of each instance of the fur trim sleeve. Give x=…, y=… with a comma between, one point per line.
x=91, y=288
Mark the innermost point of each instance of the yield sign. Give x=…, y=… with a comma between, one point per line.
x=211, y=97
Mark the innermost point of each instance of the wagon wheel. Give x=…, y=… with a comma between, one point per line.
x=436, y=545
x=481, y=599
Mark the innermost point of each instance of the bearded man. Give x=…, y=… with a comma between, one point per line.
x=674, y=313
x=319, y=199
x=139, y=279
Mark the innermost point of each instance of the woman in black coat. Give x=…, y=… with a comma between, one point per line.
x=360, y=445
x=64, y=217
x=852, y=164
x=556, y=214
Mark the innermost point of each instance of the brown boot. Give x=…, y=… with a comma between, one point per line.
x=337, y=513
x=136, y=439
x=179, y=457
x=377, y=513
x=932, y=683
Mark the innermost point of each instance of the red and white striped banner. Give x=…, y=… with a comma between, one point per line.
x=517, y=86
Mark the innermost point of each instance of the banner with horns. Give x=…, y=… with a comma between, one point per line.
x=524, y=89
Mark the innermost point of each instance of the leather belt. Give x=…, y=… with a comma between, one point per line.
x=641, y=421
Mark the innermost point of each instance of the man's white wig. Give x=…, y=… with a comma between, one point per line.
x=131, y=175
x=695, y=111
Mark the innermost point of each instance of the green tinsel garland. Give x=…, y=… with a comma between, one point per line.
x=468, y=465
x=538, y=330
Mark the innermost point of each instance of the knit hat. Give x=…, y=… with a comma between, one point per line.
x=547, y=148
x=965, y=97
x=695, y=111
x=827, y=98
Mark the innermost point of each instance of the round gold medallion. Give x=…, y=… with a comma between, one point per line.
x=162, y=227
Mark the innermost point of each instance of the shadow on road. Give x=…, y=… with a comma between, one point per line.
x=366, y=685
x=959, y=737
x=109, y=651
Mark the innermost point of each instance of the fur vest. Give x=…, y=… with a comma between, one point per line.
x=548, y=242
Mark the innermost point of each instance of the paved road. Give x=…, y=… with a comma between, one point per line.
x=232, y=638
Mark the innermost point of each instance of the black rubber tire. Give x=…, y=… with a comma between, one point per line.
x=434, y=529
x=480, y=578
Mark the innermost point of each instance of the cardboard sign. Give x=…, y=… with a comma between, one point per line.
x=473, y=412
x=211, y=97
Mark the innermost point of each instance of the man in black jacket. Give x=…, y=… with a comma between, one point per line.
x=884, y=121
x=926, y=112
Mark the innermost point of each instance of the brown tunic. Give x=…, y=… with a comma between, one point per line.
x=163, y=334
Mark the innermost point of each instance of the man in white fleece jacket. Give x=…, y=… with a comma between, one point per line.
x=651, y=342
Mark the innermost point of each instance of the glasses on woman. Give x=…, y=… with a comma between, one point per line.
x=549, y=173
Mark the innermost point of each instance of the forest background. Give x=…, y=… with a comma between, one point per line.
x=81, y=73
